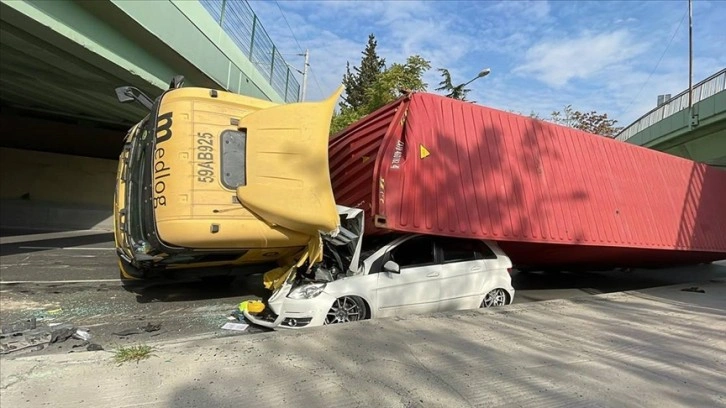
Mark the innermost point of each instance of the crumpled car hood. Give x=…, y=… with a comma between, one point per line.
x=350, y=233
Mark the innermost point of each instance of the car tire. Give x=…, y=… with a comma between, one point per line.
x=346, y=309
x=495, y=298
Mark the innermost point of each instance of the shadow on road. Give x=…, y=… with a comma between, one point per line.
x=204, y=289
x=44, y=244
x=616, y=280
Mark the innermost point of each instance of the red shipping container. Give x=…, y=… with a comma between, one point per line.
x=550, y=195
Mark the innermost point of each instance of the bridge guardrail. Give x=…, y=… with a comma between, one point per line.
x=704, y=89
x=244, y=28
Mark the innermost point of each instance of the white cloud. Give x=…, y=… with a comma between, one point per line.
x=556, y=62
x=543, y=55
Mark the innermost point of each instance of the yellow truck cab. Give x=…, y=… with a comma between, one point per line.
x=212, y=181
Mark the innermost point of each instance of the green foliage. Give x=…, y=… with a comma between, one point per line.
x=133, y=353
x=591, y=122
x=396, y=81
x=357, y=82
x=373, y=85
x=345, y=117
x=454, y=92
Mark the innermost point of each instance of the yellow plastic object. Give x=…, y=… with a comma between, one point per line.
x=252, y=306
x=288, y=178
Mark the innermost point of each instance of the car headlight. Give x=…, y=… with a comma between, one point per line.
x=307, y=291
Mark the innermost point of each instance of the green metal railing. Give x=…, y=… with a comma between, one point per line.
x=244, y=28
x=708, y=87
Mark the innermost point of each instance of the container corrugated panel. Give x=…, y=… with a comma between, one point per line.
x=451, y=168
x=353, y=154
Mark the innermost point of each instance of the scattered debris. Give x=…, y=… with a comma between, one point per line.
x=693, y=289
x=81, y=334
x=26, y=341
x=150, y=327
x=235, y=326
x=19, y=326
x=26, y=335
x=94, y=347
x=61, y=332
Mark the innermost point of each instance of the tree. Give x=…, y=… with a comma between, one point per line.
x=455, y=92
x=344, y=118
x=396, y=81
x=591, y=122
x=364, y=95
x=356, y=82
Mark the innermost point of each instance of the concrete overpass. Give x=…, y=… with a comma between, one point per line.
x=61, y=124
x=698, y=134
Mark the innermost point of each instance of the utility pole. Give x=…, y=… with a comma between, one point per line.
x=305, y=75
x=690, y=54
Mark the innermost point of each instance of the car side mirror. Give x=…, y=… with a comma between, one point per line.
x=392, y=267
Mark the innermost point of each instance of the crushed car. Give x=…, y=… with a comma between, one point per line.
x=408, y=274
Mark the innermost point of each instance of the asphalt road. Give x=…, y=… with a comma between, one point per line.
x=72, y=277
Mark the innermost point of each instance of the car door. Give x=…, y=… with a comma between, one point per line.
x=464, y=271
x=416, y=288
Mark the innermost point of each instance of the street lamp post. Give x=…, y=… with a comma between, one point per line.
x=484, y=72
x=304, y=73
x=458, y=91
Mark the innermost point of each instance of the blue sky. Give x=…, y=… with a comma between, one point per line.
x=601, y=55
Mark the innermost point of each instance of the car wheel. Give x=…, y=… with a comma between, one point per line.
x=346, y=309
x=497, y=297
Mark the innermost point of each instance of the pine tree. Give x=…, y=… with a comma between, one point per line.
x=356, y=83
x=454, y=92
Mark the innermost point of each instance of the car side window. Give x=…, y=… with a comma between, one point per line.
x=459, y=250
x=483, y=251
x=417, y=251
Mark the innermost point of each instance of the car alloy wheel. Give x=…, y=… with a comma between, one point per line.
x=346, y=309
x=497, y=297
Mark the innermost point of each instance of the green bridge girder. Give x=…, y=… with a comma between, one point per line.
x=698, y=134
x=65, y=58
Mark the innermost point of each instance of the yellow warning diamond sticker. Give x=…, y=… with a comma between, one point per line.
x=424, y=152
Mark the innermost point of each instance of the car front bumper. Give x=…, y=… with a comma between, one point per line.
x=294, y=313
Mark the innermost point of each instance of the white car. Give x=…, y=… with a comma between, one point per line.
x=411, y=274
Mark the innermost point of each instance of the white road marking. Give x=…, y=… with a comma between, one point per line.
x=69, y=248
x=50, y=235
x=61, y=281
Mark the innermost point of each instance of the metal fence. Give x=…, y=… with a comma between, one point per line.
x=244, y=28
x=708, y=87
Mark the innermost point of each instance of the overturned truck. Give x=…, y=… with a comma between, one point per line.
x=550, y=196
x=213, y=183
